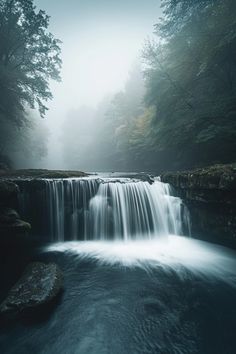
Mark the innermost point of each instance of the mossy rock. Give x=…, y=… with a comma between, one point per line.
x=216, y=177
x=31, y=173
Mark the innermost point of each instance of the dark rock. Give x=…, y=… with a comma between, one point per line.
x=217, y=177
x=10, y=222
x=8, y=215
x=8, y=193
x=210, y=194
x=38, y=286
x=31, y=173
x=18, y=226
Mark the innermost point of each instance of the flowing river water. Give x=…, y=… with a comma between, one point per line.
x=133, y=283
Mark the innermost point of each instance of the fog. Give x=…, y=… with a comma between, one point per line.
x=101, y=43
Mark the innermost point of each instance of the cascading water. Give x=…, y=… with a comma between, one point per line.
x=106, y=208
x=139, y=296
x=134, y=210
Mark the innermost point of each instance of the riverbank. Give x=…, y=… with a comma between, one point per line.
x=210, y=194
x=43, y=173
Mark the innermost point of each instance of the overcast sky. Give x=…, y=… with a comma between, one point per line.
x=101, y=40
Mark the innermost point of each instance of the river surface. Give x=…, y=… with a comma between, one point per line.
x=172, y=297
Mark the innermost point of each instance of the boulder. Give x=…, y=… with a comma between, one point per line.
x=38, y=286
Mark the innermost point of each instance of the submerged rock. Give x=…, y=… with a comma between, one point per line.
x=38, y=286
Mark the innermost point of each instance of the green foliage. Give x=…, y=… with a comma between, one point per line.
x=188, y=116
x=29, y=58
x=191, y=75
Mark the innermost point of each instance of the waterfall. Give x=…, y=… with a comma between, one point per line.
x=105, y=208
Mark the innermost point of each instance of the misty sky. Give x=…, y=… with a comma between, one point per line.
x=101, y=40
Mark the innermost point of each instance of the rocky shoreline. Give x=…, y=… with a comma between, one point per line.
x=40, y=283
x=38, y=174
x=210, y=194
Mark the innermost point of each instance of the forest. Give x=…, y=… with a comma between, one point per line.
x=29, y=58
x=176, y=111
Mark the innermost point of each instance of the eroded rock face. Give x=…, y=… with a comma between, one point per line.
x=210, y=194
x=38, y=286
x=217, y=177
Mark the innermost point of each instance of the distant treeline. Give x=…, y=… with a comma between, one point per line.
x=186, y=114
x=177, y=110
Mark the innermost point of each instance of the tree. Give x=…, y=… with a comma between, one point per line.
x=29, y=59
x=25, y=145
x=191, y=80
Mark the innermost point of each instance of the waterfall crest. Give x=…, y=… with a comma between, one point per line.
x=102, y=209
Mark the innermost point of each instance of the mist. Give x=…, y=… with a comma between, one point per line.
x=119, y=86
x=101, y=43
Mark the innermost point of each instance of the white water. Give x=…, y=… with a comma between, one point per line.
x=178, y=253
x=123, y=209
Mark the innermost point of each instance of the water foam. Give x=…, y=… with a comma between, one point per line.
x=176, y=252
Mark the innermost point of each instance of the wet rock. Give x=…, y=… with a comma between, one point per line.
x=38, y=286
x=210, y=194
x=18, y=226
x=37, y=173
x=8, y=193
x=8, y=215
x=10, y=222
x=217, y=177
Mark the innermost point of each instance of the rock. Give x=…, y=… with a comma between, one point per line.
x=18, y=226
x=35, y=173
x=38, y=286
x=217, y=177
x=10, y=222
x=8, y=193
x=8, y=215
x=210, y=194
